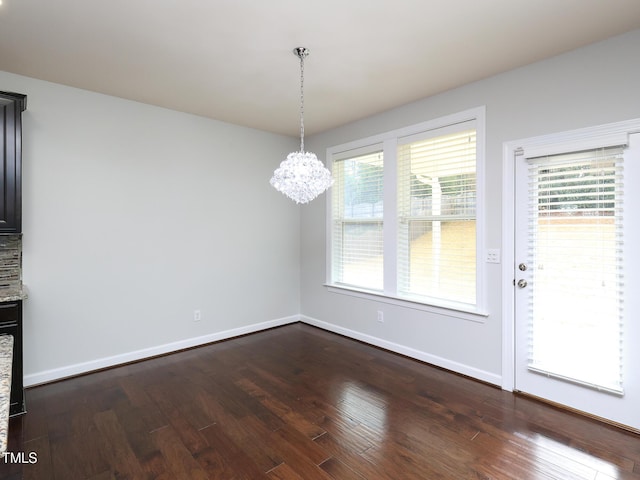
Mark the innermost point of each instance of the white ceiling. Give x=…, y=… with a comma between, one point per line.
x=232, y=60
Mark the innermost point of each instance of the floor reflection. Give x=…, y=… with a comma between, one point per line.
x=364, y=405
x=570, y=459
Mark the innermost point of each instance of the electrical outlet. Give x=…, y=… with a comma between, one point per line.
x=493, y=255
x=380, y=316
x=197, y=315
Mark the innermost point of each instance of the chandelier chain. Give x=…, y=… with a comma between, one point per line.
x=302, y=55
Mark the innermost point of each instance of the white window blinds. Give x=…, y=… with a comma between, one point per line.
x=357, y=233
x=420, y=249
x=437, y=217
x=575, y=247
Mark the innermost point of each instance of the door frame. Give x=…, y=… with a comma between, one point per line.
x=580, y=139
x=509, y=150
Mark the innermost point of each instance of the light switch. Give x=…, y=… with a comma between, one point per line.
x=493, y=255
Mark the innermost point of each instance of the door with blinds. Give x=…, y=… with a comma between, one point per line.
x=576, y=224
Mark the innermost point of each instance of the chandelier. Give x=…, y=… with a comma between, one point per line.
x=301, y=177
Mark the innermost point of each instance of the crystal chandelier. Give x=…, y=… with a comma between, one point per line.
x=301, y=177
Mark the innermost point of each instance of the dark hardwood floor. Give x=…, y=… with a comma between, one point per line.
x=299, y=403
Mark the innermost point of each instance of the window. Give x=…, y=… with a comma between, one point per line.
x=575, y=241
x=404, y=220
x=358, y=221
x=437, y=207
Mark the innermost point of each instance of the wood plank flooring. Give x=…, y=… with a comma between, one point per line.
x=298, y=403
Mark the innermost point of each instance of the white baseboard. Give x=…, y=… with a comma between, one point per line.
x=106, y=362
x=100, y=363
x=461, y=368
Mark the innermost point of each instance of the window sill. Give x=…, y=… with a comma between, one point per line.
x=454, y=310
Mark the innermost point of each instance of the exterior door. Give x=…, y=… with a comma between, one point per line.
x=576, y=223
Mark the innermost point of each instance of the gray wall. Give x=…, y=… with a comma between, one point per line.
x=135, y=216
x=590, y=86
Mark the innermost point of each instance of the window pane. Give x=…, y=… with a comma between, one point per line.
x=357, y=213
x=437, y=224
x=362, y=184
x=442, y=260
x=362, y=255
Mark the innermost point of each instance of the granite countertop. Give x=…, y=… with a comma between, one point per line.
x=13, y=294
x=6, y=355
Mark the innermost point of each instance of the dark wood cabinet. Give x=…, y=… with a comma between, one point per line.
x=11, y=107
x=11, y=324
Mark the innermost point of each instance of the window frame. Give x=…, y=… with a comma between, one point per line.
x=389, y=142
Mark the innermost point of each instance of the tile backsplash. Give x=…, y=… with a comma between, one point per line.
x=10, y=262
